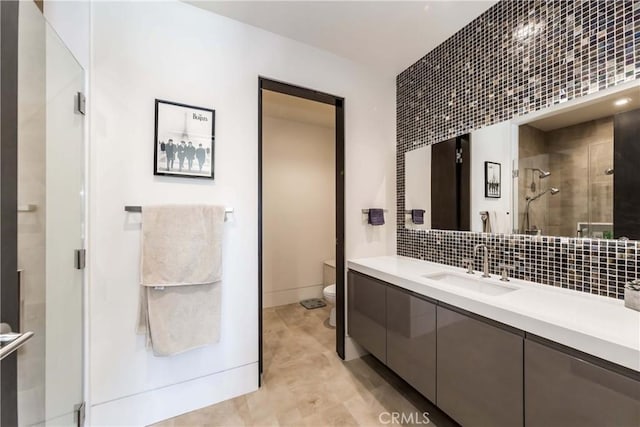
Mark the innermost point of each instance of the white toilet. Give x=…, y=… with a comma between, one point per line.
x=330, y=296
x=329, y=291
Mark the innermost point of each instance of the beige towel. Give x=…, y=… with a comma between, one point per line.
x=181, y=264
x=487, y=225
x=181, y=245
x=499, y=223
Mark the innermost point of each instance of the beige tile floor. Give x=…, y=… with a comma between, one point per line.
x=306, y=384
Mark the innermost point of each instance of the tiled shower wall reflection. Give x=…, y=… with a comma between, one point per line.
x=516, y=58
x=579, y=156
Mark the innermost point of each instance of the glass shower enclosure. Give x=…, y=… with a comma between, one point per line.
x=565, y=180
x=43, y=379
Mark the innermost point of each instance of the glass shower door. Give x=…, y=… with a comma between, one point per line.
x=50, y=184
x=600, y=190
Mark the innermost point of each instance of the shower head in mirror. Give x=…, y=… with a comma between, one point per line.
x=525, y=220
x=552, y=190
x=542, y=174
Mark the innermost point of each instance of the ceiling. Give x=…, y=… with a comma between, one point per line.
x=289, y=107
x=388, y=35
x=595, y=109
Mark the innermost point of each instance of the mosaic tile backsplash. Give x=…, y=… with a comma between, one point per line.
x=516, y=58
x=589, y=265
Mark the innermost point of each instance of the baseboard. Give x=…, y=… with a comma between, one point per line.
x=352, y=350
x=291, y=296
x=167, y=402
x=63, y=420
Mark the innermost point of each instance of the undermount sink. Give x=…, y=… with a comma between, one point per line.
x=470, y=283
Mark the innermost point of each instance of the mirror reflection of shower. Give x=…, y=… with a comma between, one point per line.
x=542, y=174
x=526, y=226
x=575, y=153
x=552, y=190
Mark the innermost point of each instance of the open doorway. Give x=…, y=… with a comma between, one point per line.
x=300, y=208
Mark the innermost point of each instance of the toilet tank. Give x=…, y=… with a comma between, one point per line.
x=329, y=272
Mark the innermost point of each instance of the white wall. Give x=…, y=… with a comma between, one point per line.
x=491, y=144
x=417, y=185
x=298, y=202
x=72, y=22
x=174, y=51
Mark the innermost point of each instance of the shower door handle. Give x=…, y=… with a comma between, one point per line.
x=11, y=341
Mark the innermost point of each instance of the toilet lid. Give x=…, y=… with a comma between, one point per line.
x=330, y=290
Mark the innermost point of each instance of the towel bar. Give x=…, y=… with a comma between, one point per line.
x=366, y=211
x=139, y=209
x=27, y=208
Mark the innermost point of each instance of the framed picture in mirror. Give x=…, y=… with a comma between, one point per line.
x=184, y=140
x=492, y=180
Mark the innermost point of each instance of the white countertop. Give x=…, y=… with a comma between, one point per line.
x=596, y=325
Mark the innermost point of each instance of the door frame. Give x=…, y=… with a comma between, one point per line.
x=9, y=299
x=338, y=102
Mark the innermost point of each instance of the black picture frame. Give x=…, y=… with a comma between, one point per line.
x=192, y=155
x=492, y=180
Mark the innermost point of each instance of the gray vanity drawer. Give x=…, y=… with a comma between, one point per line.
x=366, y=309
x=411, y=340
x=480, y=372
x=562, y=390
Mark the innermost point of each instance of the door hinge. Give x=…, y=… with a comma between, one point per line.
x=459, y=155
x=79, y=415
x=80, y=258
x=515, y=173
x=81, y=103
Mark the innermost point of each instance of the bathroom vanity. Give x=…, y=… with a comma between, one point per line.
x=492, y=353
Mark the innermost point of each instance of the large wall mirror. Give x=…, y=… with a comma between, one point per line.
x=572, y=170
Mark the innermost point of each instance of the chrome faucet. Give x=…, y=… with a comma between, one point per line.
x=485, y=258
x=469, y=264
x=504, y=272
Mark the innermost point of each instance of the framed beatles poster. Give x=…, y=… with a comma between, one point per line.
x=184, y=140
x=492, y=180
